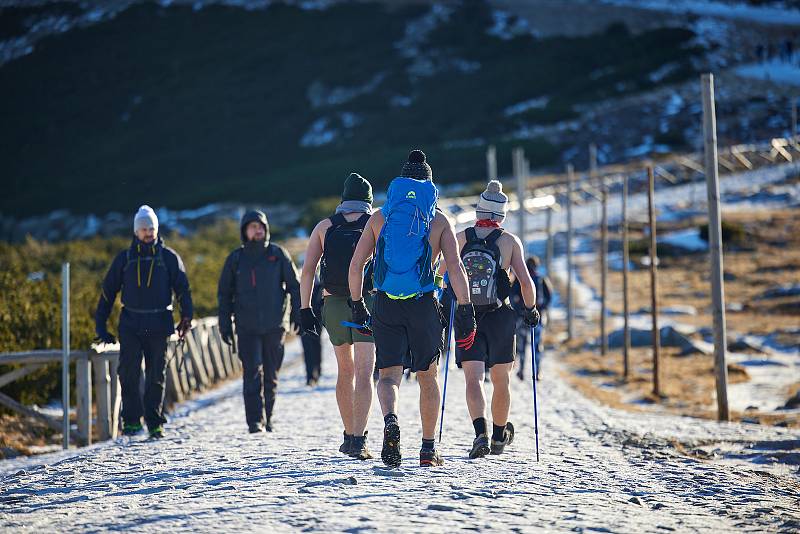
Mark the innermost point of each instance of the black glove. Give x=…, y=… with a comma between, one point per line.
x=309, y=324
x=226, y=335
x=531, y=316
x=465, y=326
x=360, y=315
x=184, y=326
x=104, y=336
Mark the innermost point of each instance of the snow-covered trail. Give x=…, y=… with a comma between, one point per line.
x=601, y=470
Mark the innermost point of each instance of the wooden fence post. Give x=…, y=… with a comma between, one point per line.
x=654, y=281
x=626, y=348
x=603, y=268
x=173, y=382
x=83, y=391
x=715, y=246
x=570, y=300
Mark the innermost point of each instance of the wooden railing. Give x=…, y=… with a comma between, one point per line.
x=198, y=363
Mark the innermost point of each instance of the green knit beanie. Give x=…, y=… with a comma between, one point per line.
x=357, y=188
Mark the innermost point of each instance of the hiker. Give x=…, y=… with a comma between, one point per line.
x=312, y=345
x=543, y=297
x=488, y=251
x=331, y=244
x=406, y=237
x=254, y=285
x=147, y=273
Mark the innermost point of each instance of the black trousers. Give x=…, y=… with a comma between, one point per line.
x=134, y=346
x=262, y=356
x=312, y=352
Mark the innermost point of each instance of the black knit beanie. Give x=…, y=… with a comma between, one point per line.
x=416, y=167
x=357, y=187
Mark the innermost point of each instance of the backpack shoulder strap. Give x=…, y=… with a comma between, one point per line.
x=471, y=234
x=362, y=221
x=337, y=219
x=492, y=238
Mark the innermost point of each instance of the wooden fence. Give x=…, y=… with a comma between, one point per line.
x=198, y=363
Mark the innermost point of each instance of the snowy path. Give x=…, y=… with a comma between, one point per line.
x=601, y=470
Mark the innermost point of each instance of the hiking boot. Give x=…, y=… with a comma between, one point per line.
x=521, y=375
x=157, y=432
x=390, y=453
x=430, y=458
x=255, y=428
x=358, y=448
x=268, y=426
x=508, y=437
x=480, y=447
x=347, y=444
x=131, y=430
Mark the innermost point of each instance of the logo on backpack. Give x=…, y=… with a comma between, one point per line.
x=482, y=261
x=403, y=252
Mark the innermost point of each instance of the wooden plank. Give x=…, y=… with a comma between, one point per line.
x=102, y=391
x=116, y=397
x=779, y=148
x=10, y=403
x=183, y=370
x=203, y=345
x=727, y=164
x=742, y=159
x=223, y=352
x=196, y=359
x=83, y=392
x=16, y=374
x=172, y=386
x=39, y=356
x=216, y=354
x=691, y=164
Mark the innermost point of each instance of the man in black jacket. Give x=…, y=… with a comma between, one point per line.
x=254, y=287
x=147, y=273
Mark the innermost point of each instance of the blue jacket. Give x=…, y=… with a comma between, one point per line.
x=147, y=275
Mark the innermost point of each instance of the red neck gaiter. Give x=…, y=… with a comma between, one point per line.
x=487, y=223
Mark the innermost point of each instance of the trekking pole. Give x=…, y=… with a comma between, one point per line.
x=535, y=403
x=447, y=364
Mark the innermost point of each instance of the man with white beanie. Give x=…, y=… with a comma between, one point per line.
x=147, y=274
x=488, y=252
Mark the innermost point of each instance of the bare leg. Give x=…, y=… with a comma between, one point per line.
x=362, y=401
x=344, y=385
x=429, y=400
x=501, y=397
x=474, y=373
x=388, y=388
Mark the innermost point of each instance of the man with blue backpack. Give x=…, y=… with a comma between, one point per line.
x=406, y=238
x=488, y=252
x=331, y=245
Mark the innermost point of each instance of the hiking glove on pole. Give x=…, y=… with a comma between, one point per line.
x=227, y=336
x=105, y=337
x=531, y=316
x=360, y=314
x=184, y=326
x=309, y=323
x=465, y=326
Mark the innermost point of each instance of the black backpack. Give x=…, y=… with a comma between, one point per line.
x=489, y=285
x=340, y=244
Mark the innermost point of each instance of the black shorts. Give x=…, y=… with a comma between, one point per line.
x=495, y=339
x=407, y=332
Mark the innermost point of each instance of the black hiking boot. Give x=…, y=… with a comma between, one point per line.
x=131, y=430
x=347, y=444
x=157, y=432
x=255, y=428
x=390, y=454
x=430, y=458
x=508, y=437
x=359, y=449
x=268, y=426
x=480, y=447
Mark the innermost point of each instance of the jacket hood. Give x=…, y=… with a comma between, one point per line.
x=253, y=216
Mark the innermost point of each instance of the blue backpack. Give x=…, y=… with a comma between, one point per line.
x=403, y=252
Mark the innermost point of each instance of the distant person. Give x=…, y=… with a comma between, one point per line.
x=255, y=285
x=489, y=252
x=332, y=243
x=406, y=237
x=147, y=273
x=312, y=345
x=544, y=293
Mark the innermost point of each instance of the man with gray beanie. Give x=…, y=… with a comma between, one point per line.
x=488, y=252
x=255, y=285
x=331, y=244
x=147, y=273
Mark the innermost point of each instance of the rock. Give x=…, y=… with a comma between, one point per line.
x=793, y=402
x=636, y=500
x=734, y=307
x=729, y=277
x=735, y=370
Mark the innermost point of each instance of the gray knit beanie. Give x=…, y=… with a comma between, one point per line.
x=493, y=203
x=145, y=218
x=417, y=167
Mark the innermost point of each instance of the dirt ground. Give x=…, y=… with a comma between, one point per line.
x=767, y=255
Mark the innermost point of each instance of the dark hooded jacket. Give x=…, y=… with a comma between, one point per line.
x=147, y=275
x=255, y=285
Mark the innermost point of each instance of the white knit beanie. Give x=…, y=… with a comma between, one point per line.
x=493, y=203
x=145, y=218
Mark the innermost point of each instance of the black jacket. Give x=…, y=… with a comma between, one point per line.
x=255, y=285
x=543, y=294
x=147, y=275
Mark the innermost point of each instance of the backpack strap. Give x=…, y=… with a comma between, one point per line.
x=471, y=234
x=337, y=219
x=492, y=238
x=362, y=221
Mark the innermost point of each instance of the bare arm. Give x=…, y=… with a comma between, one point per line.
x=521, y=272
x=313, y=255
x=364, y=250
x=458, y=276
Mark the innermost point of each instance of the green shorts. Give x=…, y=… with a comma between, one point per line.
x=335, y=310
